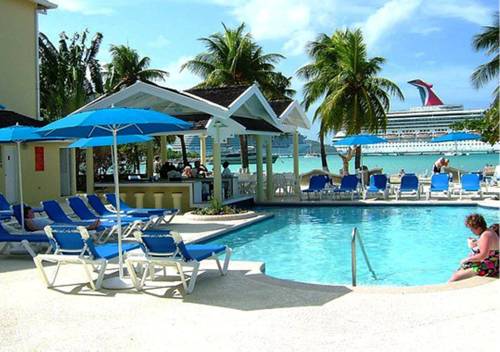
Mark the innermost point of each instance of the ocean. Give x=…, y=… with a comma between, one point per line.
x=392, y=164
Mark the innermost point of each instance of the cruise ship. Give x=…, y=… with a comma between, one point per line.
x=410, y=131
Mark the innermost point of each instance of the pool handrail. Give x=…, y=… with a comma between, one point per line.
x=357, y=236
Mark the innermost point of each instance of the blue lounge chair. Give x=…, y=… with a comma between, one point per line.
x=56, y=213
x=439, y=183
x=470, y=183
x=348, y=184
x=80, y=209
x=6, y=211
x=165, y=248
x=25, y=238
x=164, y=215
x=75, y=246
x=409, y=184
x=99, y=207
x=378, y=184
x=317, y=184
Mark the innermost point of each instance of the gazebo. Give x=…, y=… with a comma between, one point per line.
x=216, y=113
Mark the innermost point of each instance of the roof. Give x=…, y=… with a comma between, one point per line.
x=199, y=121
x=223, y=96
x=256, y=125
x=44, y=4
x=10, y=118
x=279, y=106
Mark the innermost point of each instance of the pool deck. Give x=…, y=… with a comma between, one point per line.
x=242, y=311
x=245, y=310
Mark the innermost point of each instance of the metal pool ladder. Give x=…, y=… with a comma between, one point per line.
x=357, y=235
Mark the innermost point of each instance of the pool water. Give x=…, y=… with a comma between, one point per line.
x=406, y=245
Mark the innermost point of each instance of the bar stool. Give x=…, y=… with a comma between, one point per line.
x=158, y=200
x=139, y=200
x=177, y=200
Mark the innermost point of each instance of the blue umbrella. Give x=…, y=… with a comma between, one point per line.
x=108, y=141
x=114, y=122
x=360, y=139
x=19, y=134
x=456, y=137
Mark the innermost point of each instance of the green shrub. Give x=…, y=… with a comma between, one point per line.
x=217, y=208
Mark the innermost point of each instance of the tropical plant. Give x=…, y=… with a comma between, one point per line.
x=354, y=97
x=488, y=126
x=70, y=74
x=127, y=67
x=232, y=57
x=487, y=41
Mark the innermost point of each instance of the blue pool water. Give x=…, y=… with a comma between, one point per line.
x=406, y=245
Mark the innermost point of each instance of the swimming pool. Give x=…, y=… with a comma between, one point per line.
x=406, y=245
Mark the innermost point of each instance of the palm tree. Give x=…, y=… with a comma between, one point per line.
x=355, y=98
x=487, y=40
x=232, y=57
x=127, y=67
x=70, y=74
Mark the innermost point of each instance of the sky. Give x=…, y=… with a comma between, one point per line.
x=425, y=39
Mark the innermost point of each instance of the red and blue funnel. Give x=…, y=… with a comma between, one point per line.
x=429, y=98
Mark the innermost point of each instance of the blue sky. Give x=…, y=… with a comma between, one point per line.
x=426, y=39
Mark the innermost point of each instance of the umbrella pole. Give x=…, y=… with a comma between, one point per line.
x=20, y=175
x=117, y=197
x=117, y=283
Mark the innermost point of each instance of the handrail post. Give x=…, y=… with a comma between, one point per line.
x=353, y=256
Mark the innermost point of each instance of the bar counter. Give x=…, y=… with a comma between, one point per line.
x=190, y=192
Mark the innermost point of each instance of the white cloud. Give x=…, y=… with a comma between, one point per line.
x=296, y=45
x=424, y=30
x=386, y=18
x=159, y=42
x=177, y=79
x=419, y=54
x=86, y=7
x=469, y=10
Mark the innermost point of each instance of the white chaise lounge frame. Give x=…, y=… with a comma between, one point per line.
x=150, y=260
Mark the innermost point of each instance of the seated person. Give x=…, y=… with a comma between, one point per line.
x=200, y=170
x=187, y=172
x=226, y=172
x=32, y=224
x=484, y=260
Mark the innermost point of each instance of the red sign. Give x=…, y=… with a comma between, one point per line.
x=39, y=159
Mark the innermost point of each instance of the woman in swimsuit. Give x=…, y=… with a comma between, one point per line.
x=484, y=261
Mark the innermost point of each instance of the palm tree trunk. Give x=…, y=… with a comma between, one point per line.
x=244, y=151
x=357, y=158
x=183, y=148
x=324, y=163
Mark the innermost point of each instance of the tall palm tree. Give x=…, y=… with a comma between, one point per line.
x=70, y=74
x=127, y=67
x=355, y=98
x=232, y=57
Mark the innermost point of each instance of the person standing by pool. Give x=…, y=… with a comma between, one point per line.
x=439, y=164
x=484, y=261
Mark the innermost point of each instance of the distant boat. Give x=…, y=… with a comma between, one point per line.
x=312, y=155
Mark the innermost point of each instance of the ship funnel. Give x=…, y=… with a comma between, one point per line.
x=429, y=98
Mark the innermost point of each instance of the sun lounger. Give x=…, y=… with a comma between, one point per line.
x=378, y=184
x=56, y=213
x=164, y=249
x=164, y=215
x=440, y=183
x=80, y=209
x=98, y=206
x=470, y=183
x=24, y=238
x=75, y=246
x=5, y=207
x=317, y=185
x=409, y=184
x=348, y=184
